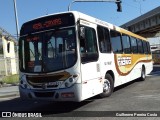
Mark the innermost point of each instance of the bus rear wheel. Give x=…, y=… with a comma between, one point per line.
x=143, y=74
x=107, y=86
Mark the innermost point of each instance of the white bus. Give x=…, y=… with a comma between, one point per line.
x=71, y=56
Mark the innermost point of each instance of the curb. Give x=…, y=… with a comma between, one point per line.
x=7, y=85
x=10, y=95
x=6, y=92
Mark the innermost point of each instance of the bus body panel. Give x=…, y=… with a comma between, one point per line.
x=90, y=75
x=69, y=94
x=91, y=80
x=92, y=83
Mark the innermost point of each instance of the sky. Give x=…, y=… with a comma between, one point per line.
x=107, y=11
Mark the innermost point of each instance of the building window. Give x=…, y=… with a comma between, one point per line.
x=1, y=47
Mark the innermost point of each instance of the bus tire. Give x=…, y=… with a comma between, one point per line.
x=107, y=86
x=143, y=74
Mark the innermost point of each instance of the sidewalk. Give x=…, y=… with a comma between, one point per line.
x=11, y=91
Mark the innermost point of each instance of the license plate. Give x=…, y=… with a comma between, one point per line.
x=53, y=83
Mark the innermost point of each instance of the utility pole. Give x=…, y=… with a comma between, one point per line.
x=118, y=2
x=16, y=18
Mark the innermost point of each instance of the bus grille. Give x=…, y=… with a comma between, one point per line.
x=39, y=81
x=43, y=79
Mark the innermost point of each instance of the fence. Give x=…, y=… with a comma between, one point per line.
x=9, y=66
x=156, y=56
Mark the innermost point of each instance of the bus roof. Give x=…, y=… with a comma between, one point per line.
x=108, y=25
x=88, y=18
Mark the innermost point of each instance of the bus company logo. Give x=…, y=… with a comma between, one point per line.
x=22, y=115
x=6, y=114
x=122, y=61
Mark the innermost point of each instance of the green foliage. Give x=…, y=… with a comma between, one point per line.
x=13, y=79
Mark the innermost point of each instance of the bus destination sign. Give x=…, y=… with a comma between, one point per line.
x=47, y=23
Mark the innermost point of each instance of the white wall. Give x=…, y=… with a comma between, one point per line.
x=10, y=54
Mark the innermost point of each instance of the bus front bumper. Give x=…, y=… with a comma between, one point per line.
x=67, y=94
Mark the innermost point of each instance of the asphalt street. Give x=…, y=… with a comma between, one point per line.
x=138, y=96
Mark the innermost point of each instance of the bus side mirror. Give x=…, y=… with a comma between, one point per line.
x=82, y=32
x=8, y=47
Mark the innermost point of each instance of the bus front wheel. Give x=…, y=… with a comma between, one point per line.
x=107, y=86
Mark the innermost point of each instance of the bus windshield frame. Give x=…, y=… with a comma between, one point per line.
x=48, y=49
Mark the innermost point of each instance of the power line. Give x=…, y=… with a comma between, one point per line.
x=140, y=5
x=3, y=32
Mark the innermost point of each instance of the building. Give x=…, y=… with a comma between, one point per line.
x=148, y=25
x=8, y=54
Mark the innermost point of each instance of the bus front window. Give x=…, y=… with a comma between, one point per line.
x=49, y=51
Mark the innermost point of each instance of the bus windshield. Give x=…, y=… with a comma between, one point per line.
x=48, y=51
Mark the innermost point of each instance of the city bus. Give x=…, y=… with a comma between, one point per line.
x=72, y=56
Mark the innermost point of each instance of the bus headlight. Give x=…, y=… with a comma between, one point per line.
x=66, y=84
x=69, y=82
x=23, y=83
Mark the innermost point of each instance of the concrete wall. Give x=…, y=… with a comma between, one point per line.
x=9, y=58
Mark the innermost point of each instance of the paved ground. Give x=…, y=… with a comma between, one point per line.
x=134, y=97
x=12, y=91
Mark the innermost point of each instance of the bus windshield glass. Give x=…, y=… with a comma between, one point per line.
x=48, y=51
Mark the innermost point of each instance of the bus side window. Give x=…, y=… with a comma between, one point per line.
x=88, y=46
x=140, y=46
x=82, y=46
x=116, y=42
x=126, y=44
x=104, y=40
x=82, y=39
x=148, y=48
x=134, y=45
x=145, y=47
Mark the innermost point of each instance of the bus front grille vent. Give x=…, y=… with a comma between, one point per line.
x=40, y=81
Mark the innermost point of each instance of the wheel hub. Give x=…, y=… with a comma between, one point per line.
x=106, y=86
